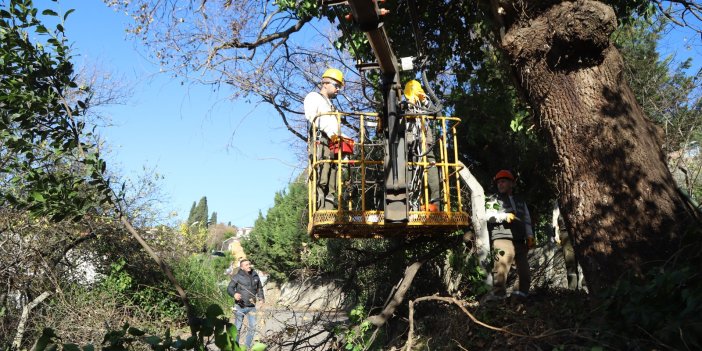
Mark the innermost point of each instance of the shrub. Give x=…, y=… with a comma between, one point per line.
x=202, y=277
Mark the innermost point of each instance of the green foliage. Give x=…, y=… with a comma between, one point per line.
x=201, y=275
x=662, y=91
x=159, y=302
x=48, y=167
x=155, y=300
x=214, y=327
x=198, y=217
x=667, y=94
x=468, y=266
x=191, y=215
x=213, y=218
x=279, y=242
x=301, y=9
x=357, y=333
x=666, y=306
x=118, y=281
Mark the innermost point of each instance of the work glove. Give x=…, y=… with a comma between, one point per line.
x=531, y=242
x=510, y=217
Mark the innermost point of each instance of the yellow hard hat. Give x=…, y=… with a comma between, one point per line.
x=334, y=74
x=413, y=90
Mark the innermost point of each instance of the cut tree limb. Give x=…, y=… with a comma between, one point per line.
x=381, y=318
x=398, y=294
x=482, y=237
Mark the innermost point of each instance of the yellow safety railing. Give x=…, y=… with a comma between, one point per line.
x=358, y=172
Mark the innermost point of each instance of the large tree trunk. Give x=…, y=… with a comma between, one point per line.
x=618, y=197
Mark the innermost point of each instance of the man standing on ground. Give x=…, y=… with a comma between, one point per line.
x=320, y=111
x=563, y=238
x=509, y=224
x=246, y=289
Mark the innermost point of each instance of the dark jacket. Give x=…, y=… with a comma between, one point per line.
x=496, y=207
x=248, y=285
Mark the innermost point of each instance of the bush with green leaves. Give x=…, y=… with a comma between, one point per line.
x=665, y=307
x=214, y=328
x=357, y=333
x=279, y=243
x=202, y=276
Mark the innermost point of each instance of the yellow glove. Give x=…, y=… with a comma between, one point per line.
x=531, y=242
x=510, y=217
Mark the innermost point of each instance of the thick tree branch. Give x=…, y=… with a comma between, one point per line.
x=284, y=35
x=164, y=268
x=398, y=295
x=83, y=238
x=23, y=320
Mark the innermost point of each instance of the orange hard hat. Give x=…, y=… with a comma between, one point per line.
x=504, y=174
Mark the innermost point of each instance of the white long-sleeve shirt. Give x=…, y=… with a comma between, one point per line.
x=317, y=104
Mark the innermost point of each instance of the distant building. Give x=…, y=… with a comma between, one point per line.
x=233, y=245
x=243, y=232
x=229, y=244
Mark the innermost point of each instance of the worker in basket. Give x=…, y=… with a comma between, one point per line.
x=329, y=139
x=422, y=149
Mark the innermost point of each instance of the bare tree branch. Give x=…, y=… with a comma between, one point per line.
x=25, y=314
x=285, y=120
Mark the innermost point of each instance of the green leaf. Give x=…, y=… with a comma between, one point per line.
x=152, y=340
x=49, y=12
x=233, y=332
x=258, y=347
x=88, y=348
x=46, y=336
x=68, y=13
x=70, y=347
x=214, y=311
x=135, y=331
x=223, y=342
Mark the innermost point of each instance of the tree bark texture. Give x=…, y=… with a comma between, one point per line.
x=618, y=197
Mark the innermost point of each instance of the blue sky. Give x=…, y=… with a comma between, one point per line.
x=204, y=144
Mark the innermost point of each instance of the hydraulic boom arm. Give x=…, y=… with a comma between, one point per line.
x=368, y=16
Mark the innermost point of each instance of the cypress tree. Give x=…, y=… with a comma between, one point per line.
x=213, y=219
x=201, y=212
x=191, y=216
